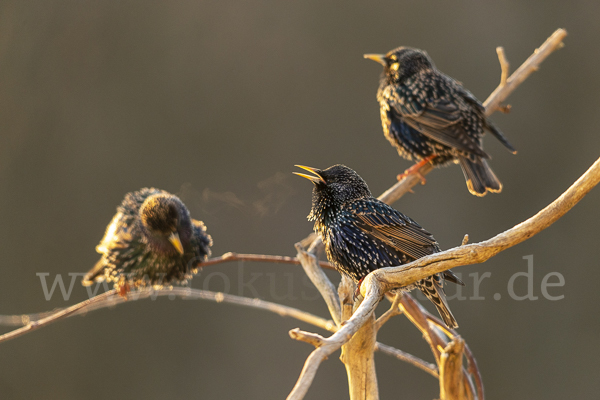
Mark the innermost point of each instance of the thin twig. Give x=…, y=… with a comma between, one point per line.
x=505, y=68
x=307, y=337
x=465, y=239
x=430, y=368
x=530, y=65
x=416, y=314
x=33, y=325
x=24, y=319
x=109, y=299
x=504, y=65
x=391, y=312
x=230, y=256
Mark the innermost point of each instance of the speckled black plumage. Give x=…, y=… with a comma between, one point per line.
x=362, y=234
x=139, y=248
x=427, y=113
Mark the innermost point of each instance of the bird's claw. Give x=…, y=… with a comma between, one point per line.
x=357, y=291
x=416, y=170
x=123, y=289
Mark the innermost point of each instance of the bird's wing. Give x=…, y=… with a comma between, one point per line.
x=394, y=229
x=118, y=234
x=438, y=118
x=116, y=240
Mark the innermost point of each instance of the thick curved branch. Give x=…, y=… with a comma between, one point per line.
x=388, y=278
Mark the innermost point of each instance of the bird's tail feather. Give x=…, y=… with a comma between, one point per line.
x=95, y=274
x=432, y=289
x=500, y=136
x=449, y=276
x=479, y=176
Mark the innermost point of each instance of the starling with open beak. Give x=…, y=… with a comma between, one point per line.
x=362, y=234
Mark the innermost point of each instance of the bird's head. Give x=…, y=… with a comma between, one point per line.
x=335, y=186
x=402, y=63
x=166, y=222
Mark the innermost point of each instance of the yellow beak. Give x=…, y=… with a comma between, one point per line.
x=314, y=179
x=176, y=242
x=380, y=58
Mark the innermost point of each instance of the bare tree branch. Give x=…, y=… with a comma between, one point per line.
x=230, y=256
x=307, y=337
x=321, y=282
x=33, y=325
x=110, y=299
x=392, y=312
x=530, y=65
x=504, y=66
x=430, y=368
x=465, y=239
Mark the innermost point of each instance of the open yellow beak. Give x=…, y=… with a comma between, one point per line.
x=380, y=58
x=314, y=179
x=176, y=242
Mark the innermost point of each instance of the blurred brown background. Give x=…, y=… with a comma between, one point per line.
x=215, y=101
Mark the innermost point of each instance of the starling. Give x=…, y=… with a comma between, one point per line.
x=430, y=117
x=150, y=241
x=362, y=233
